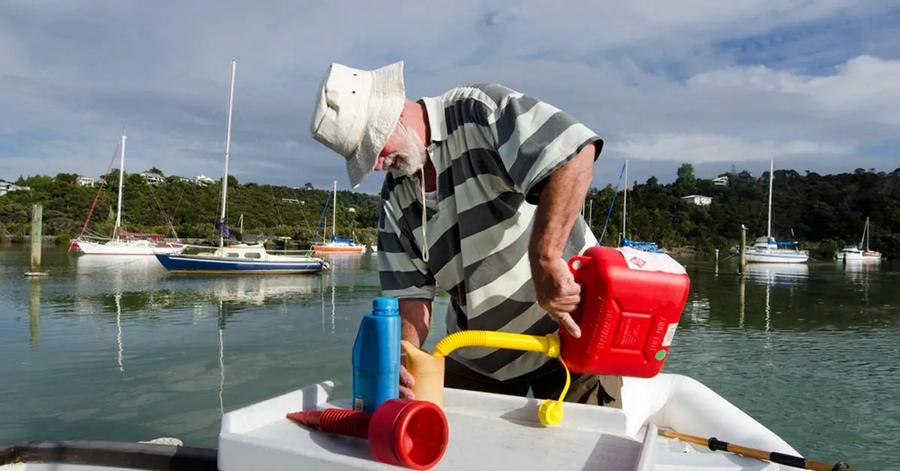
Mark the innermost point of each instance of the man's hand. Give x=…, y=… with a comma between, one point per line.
x=406, y=384
x=557, y=292
x=557, y=210
x=415, y=316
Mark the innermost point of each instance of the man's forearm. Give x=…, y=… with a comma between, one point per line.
x=416, y=318
x=558, y=206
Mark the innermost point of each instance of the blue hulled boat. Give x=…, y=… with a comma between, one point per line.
x=240, y=258
x=237, y=258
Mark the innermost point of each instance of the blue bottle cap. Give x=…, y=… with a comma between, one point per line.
x=385, y=307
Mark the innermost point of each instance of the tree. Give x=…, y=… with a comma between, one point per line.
x=66, y=177
x=156, y=171
x=686, y=173
x=686, y=182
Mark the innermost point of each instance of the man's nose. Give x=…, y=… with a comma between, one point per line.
x=379, y=163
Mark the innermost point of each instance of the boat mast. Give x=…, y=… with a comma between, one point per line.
x=121, y=180
x=625, y=202
x=227, y=152
x=868, y=234
x=771, y=176
x=865, y=236
x=334, y=213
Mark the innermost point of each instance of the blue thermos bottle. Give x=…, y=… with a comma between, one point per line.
x=376, y=356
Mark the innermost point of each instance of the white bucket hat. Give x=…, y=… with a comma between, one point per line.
x=356, y=112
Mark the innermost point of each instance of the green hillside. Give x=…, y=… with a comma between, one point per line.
x=823, y=212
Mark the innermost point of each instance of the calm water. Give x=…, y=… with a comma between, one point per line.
x=107, y=348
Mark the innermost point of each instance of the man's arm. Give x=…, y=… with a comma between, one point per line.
x=415, y=315
x=560, y=201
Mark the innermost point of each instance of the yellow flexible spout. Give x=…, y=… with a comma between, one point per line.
x=547, y=344
x=429, y=373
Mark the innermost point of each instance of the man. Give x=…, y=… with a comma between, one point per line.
x=481, y=199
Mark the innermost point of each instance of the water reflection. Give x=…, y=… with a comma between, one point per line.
x=344, y=262
x=116, y=271
x=100, y=283
x=34, y=311
x=260, y=290
x=119, y=330
x=777, y=273
x=221, y=325
x=770, y=274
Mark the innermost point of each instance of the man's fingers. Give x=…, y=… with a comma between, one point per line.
x=406, y=378
x=567, y=300
x=563, y=305
x=566, y=321
x=407, y=381
x=570, y=289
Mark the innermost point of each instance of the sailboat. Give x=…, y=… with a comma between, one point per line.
x=337, y=245
x=853, y=252
x=124, y=243
x=767, y=249
x=626, y=242
x=238, y=258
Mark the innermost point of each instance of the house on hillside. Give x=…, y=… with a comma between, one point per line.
x=9, y=187
x=82, y=180
x=290, y=200
x=152, y=178
x=203, y=180
x=721, y=180
x=698, y=200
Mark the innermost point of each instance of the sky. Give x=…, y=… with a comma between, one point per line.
x=814, y=85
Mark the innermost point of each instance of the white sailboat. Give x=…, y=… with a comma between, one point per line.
x=854, y=252
x=767, y=249
x=130, y=244
x=237, y=258
x=626, y=242
x=337, y=245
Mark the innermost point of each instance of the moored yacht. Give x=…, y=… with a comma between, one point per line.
x=237, y=258
x=767, y=249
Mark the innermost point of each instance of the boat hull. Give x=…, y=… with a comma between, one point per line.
x=205, y=264
x=854, y=257
x=327, y=249
x=87, y=247
x=777, y=256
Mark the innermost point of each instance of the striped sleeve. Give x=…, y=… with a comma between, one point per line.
x=534, y=138
x=401, y=271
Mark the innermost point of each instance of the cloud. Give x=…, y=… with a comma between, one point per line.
x=704, y=148
x=651, y=78
x=864, y=88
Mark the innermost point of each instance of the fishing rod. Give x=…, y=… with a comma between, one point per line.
x=780, y=458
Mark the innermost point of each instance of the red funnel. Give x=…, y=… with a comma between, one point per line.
x=401, y=432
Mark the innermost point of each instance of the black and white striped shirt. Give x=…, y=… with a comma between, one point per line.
x=492, y=148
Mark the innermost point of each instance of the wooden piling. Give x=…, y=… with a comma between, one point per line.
x=37, y=212
x=743, y=261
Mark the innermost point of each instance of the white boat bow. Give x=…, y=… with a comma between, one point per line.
x=489, y=431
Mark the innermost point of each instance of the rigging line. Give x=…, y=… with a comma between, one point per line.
x=612, y=204
x=322, y=215
x=87, y=219
x=162, y=211
x=175, y=211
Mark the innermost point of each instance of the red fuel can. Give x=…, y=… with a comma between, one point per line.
x=631, y=302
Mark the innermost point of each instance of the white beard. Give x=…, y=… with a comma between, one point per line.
x=412, y=156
